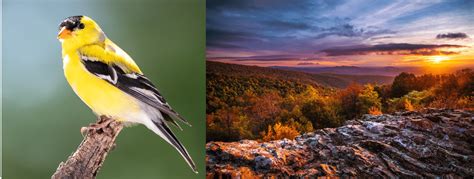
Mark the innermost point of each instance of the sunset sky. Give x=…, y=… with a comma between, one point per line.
x=335, y=32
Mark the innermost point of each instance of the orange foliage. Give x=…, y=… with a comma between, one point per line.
x=375, y=111
x=266, y=106
x=348, y=100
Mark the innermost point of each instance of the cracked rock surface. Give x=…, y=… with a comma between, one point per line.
x=427, y=143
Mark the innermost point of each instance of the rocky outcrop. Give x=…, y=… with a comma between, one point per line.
x=429, y=143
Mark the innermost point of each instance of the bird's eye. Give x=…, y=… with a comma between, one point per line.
x=81, y=26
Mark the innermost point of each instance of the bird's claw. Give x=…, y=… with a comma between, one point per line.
x=84, y=131
x=95, y=127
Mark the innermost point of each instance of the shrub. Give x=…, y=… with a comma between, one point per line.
x=302, y=125
x=375, y=111
x=408, y=105
x=279, y=131
x=466, y=102
x=412, y=101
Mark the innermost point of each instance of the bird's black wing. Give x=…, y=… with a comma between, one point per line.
x=134, y=84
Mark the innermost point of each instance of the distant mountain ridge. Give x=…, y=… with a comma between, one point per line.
x=355, y=70
x=324, y=79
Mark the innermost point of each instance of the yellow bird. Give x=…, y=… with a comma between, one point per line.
x=110, y=82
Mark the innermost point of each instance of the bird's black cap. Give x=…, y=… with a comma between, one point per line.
x=72, y=23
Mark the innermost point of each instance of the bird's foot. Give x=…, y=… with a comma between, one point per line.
x=98, y=127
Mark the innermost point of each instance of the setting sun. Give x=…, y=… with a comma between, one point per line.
x=438, y=59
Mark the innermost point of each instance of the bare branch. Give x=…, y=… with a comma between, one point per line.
x=89, y=156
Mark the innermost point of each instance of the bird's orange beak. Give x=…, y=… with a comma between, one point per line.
x=64, y=33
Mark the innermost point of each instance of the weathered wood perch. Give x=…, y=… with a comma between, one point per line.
x=89, y=156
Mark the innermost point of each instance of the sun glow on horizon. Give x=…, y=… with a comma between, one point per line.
x=438, y=59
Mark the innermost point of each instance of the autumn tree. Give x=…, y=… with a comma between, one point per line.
x=349, y=101
x=455, y=90
x=368, y=100
x=221, y=124
x=265, y=106
x=321, y=114
x=403, y=84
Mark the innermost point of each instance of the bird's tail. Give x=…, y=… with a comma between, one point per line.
x=161, y=128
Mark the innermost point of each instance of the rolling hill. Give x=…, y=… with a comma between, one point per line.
x=356, y=70
x=318, y=79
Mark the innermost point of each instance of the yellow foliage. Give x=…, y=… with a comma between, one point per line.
x=408, y=105
x=280, y=131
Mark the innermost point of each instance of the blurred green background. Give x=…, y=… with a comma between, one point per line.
x=42, y=116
